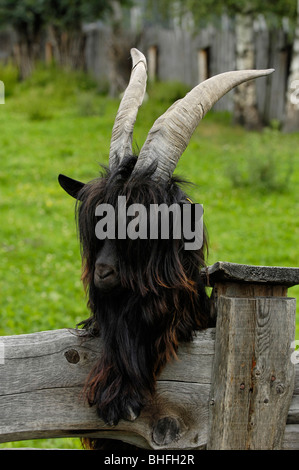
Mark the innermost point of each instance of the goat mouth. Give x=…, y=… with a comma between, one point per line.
x=106, y=274
x=107, y=281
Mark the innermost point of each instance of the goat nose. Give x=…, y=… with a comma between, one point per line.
x=104, y=271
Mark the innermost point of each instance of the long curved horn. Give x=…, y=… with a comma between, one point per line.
x=122, y=132
x=171, y=132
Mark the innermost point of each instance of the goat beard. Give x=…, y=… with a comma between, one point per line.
x=140, y=334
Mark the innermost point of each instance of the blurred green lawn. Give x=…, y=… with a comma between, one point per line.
x=59, y=123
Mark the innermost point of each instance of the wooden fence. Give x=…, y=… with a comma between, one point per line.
x=234, y=387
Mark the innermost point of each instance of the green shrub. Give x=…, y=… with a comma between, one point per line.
x=86, y=104
x=38, y=110
x=63, y=79
x=58, y=86
x=50, y=90
x=265, y=170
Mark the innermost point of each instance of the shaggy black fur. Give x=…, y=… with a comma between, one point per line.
x=160, y=299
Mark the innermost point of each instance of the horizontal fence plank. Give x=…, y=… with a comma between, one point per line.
x=50, y=358
x=62, y=413
x=41, y=392
x=293, y=415
x=291, y=437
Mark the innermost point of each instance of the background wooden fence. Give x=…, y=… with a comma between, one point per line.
x=234, y=387
x=178, y=54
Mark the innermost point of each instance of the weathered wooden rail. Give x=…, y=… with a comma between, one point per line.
x=234, y=387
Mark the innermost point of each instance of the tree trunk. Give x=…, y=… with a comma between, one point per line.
x=26, y=53
x=68, y=47
x=291, y=119
x=120, y=42
x=245, y=99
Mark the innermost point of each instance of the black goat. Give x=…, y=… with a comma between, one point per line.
x=145, y=294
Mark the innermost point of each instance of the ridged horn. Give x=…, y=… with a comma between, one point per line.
x=171, y=132
x=122, y=132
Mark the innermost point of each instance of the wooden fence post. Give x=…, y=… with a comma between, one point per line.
x=253, y=375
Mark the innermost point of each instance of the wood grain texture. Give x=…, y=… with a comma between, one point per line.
x=291, y=437
x=41, y=384
x=273, y=275
x=253, y=377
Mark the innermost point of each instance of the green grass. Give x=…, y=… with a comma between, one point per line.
x=59, y=123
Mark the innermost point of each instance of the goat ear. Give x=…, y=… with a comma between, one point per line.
x=72, y=187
